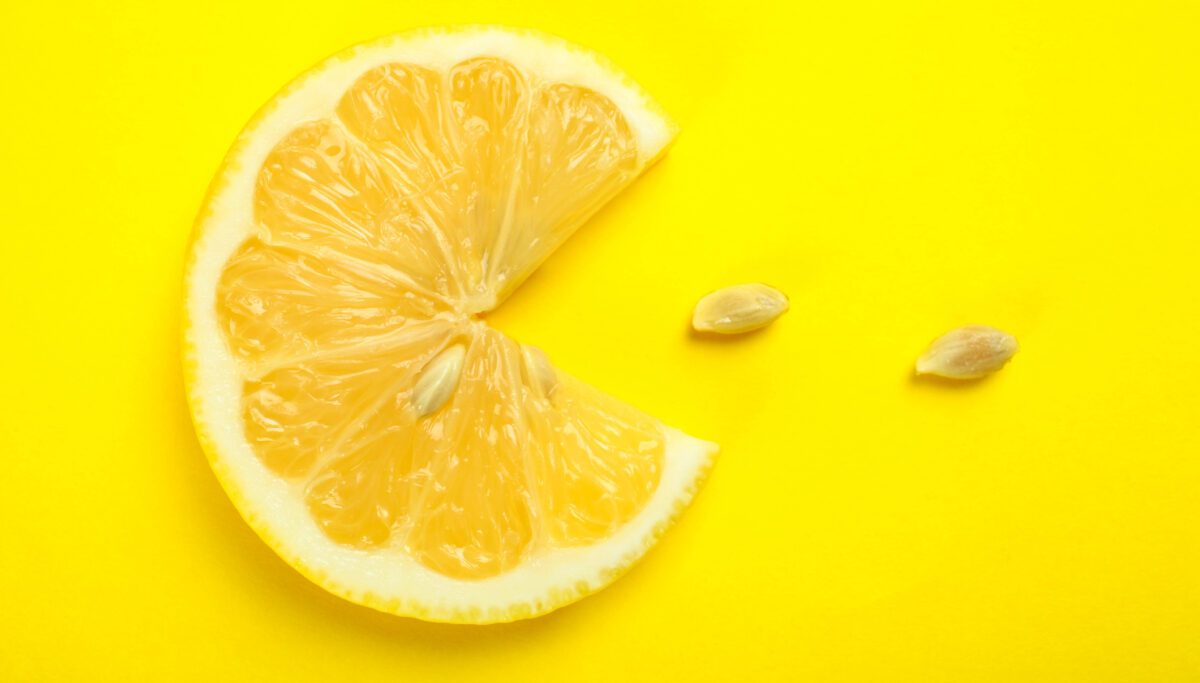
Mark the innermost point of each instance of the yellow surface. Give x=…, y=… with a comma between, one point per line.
x=897, y=168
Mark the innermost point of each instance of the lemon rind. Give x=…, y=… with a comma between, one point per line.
x=390, y=581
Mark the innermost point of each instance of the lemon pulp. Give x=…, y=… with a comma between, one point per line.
x=380, y=232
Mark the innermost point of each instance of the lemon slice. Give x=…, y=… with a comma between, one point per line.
x=363, y=418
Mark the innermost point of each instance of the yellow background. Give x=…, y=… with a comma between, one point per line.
x=899, y=168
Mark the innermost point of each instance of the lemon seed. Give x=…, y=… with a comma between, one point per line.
x=968, y=352
x=438, y=380
x=739, y=308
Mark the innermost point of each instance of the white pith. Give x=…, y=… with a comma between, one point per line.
x=388, y=579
